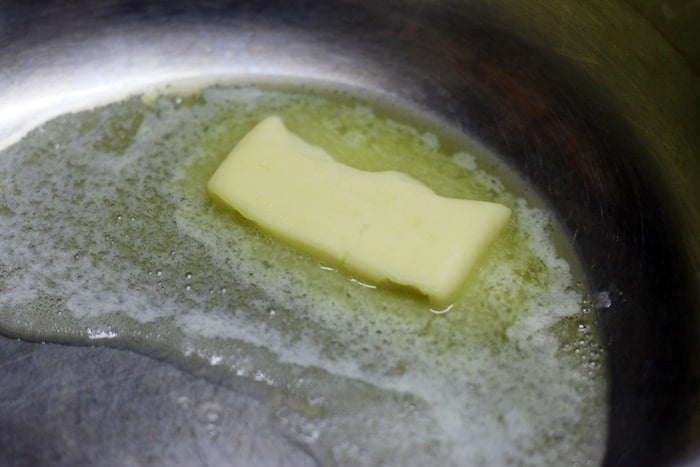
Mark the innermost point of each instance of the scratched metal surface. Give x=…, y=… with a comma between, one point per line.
x=73, y=406
x=604, y=127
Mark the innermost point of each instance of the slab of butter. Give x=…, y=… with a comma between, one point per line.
x=381, y=226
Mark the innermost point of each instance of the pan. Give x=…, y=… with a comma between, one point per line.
x=594, y=106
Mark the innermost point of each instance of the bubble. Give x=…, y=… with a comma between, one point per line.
x=212, y=416
x=260, y=375
x=209, y=415
x=603, y=300
x=431, y=140
x=216, y=359
x=184, y=402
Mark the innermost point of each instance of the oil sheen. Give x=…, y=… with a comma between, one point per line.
x=108, y=236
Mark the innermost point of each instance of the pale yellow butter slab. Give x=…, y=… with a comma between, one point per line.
x=381, y=226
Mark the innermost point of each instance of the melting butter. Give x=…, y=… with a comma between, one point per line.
x=109, y=236
x=384, y=226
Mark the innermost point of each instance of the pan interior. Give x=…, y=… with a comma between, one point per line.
x=112, y=239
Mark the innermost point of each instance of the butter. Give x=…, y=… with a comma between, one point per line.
x=381, y=226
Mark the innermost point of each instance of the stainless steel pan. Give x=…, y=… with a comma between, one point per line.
x=588, y=101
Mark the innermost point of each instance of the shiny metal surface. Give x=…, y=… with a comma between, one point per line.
x=604, y=127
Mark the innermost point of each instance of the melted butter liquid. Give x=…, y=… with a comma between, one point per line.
x=108, y=236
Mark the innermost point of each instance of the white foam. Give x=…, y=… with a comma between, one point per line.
x=101, y=334
x=465, y=159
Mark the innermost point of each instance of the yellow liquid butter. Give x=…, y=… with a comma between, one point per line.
x=109, y=236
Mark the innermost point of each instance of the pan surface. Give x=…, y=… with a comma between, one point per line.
x=617, y=164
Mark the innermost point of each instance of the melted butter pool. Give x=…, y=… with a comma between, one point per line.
x=108, y=236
